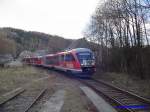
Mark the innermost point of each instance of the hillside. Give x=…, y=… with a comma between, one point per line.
x=14, y=41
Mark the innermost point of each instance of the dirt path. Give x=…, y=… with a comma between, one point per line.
x=72, y=98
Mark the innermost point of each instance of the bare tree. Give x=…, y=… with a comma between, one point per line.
x=119, y=27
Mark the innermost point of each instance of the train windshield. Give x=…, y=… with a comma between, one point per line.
x=85, y=56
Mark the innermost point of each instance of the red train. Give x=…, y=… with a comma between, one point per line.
x=79, y=61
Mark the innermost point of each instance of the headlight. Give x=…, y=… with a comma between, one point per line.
x=93, y=62
x=88, y=62
x=82, y=64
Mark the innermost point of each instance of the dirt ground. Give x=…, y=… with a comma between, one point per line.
x=74, y=100
x=127, y=82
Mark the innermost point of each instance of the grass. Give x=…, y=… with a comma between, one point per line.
x=127, y=82
x=11, y=78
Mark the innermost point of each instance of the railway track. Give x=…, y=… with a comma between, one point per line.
x=122, y=100
x=10, y=95
x=22, y=101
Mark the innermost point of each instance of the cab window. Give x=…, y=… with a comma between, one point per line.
x=69, y=57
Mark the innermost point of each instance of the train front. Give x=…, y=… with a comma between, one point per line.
x=87, y=61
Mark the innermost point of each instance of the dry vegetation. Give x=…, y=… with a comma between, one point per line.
x=14, y=41
x=120, y=29
x=11, y=78
x=127, y=82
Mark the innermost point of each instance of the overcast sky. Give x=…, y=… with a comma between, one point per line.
x=66, y=18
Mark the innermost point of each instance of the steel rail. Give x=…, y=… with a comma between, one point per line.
x=34, y=101
x=125, y=91
x=7, y=98
x=111, y=92
x=107, y=96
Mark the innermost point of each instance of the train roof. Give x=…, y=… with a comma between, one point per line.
x=81, y=50
x=76, y=50
x=49, y=55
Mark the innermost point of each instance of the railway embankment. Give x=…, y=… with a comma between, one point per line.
x=127, y=82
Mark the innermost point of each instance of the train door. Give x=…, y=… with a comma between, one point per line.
x=69, y=59
x=61, y=60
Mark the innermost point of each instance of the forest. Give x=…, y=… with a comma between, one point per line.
x=121, y=28
x=118, y=33
x=14, y=41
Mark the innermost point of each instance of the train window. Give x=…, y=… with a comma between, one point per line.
x=85, y=56
x=69, y=57
x=56, y=60
x=62, y=57
x=48, y=60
